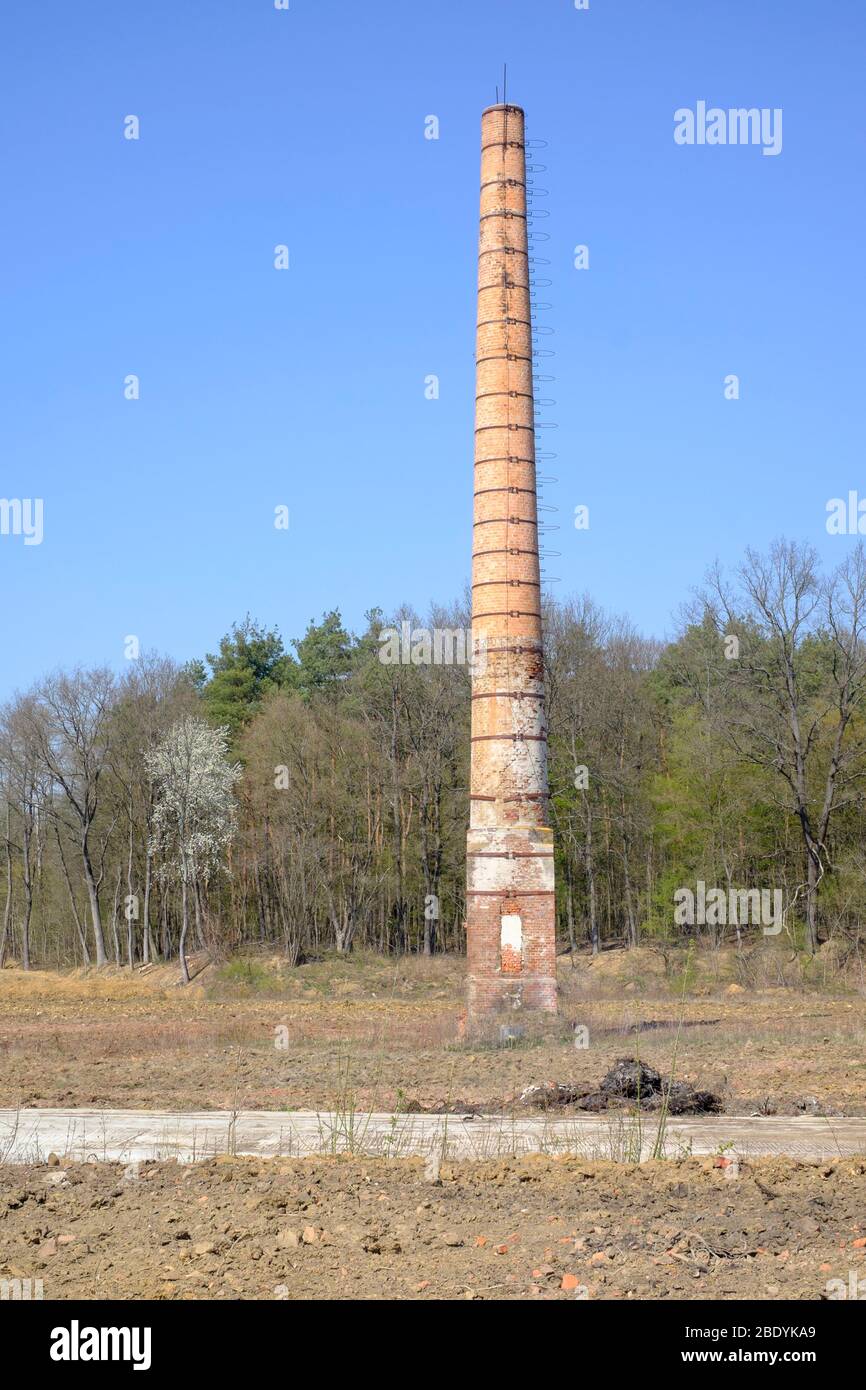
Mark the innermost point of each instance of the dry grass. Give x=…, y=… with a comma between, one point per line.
x=279, y=1037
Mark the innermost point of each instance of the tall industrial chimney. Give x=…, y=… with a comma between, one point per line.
x=510, y=913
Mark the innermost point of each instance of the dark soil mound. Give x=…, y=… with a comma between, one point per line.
x=629, y=1084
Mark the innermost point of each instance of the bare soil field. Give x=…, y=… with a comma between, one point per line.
x=383, y=1036
x=367, y=1034
x=333, y=1228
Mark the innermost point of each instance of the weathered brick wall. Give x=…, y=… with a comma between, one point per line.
x=510, y=851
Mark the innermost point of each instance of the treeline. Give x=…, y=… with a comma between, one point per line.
x=312, y=797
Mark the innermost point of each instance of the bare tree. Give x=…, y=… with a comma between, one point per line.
x=25, y=793
x=69, y=722
x=792, y=683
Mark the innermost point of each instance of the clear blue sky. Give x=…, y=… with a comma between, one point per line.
x=306, y=387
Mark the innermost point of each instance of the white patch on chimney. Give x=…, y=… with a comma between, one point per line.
x=510, y=932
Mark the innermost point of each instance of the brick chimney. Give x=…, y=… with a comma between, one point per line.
x=510, y=912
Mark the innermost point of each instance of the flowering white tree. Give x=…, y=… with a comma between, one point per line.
x=195, y=810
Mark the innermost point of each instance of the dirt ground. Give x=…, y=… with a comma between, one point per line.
x=377, y=1035
x=333, y=1228
x=370, y=1034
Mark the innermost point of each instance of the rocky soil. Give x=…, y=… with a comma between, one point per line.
x=536, y=1228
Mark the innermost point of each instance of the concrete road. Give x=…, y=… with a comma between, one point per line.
x=130, y=1135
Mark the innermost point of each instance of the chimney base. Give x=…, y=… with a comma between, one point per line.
x=510, y=921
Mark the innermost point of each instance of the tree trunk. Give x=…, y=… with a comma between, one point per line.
x=569, y=908
x=130, y=945
x=196, y=902
x=184, y=969
x=93, y=897
x=7, y=910
x=811, y=904
x=626, y=882
x=147, y=950
x=117, y=959
x=28, y=894
x=590, y=881
x=82, y=935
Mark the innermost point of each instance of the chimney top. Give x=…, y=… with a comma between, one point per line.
x=503, y=106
